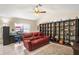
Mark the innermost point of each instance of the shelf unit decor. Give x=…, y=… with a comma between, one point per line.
x=66, y=31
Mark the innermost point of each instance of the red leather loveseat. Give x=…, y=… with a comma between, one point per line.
x=34, y=40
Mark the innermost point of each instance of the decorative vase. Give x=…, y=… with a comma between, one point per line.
x=61, y=41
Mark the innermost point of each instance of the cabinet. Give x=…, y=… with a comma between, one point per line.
x=67, y=30
x=6, y=39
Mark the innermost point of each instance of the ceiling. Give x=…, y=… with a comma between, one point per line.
x=26, y=10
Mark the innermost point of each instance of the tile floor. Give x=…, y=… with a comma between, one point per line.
x=49, y=49
x=12, y=49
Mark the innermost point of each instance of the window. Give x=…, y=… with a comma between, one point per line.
x=23, y=27
x=26, y=27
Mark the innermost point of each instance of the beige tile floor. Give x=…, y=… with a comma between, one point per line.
x=12, y=49
x=49, y=49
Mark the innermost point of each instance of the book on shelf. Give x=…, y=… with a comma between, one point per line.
x=72, y=23
x=56, y=36
x=72, y=33
x=66, y=29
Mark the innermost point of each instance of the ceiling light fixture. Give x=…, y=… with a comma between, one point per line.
x=38, y=10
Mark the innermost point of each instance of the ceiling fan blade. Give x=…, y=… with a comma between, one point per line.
x=42, y=12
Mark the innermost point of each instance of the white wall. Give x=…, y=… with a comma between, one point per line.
x=1, y=24
x=58, y=12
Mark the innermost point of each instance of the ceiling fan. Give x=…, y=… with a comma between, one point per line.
x=37, y=9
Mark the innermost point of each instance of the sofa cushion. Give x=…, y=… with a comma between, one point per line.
x=35, y=34
x=31, y=38
x=26, y=35
x=36, y=37
x=40, y=34
x=36, y=42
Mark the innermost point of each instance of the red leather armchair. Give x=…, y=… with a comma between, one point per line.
x=34, y=40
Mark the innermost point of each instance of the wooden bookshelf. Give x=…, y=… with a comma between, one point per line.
x=67, y=30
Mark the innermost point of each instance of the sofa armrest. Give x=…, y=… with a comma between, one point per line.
x=46, y=38
x=27, y=41
x=27, y=44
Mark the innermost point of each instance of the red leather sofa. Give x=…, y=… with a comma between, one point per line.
x=34, y=40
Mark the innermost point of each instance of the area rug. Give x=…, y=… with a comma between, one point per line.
x=52, y=49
